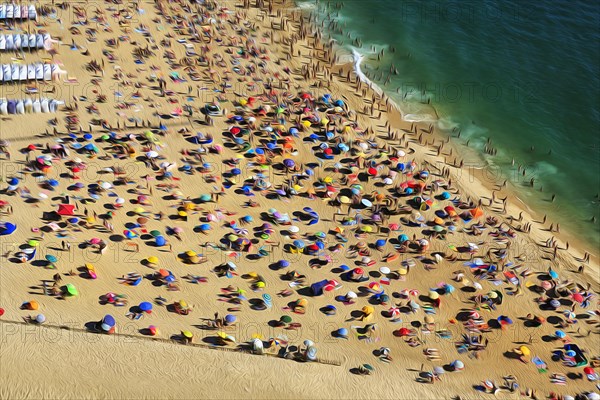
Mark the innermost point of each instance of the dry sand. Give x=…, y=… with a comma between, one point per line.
x=49, y=363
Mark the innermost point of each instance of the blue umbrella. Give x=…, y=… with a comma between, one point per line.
x=283, y=263
x=145, y=306
x=230, y=319
x=236, y=171
x=13, y=181
x=204, y=227
x=445, y=195
x=53, y=182
x=7, y=228
x=107, y=322
x=299, y=244
x=403, y=238
x=87, y=136
x=289, y=163
x=160, y=241
x=342, y=333
x=380, y=243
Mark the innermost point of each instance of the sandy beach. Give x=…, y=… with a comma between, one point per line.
x=221, y=183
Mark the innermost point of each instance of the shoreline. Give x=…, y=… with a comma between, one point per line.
x=565, y=236
x=537, y=199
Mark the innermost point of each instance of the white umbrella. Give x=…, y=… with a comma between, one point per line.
x=47, y=72
x=23, y=73
x=45, y=107
x=32, y=12
x=17, y=11
x=9, y=11
x=31, y=72
x=39, y=71
x=3, y=107
x=25, y=41
x=39, y=41
x=152, y=154
x=15, y=72
x=20, y=107
x=17, y=40
x=3, y=42
x=10, y=44
x=37, y=106
x=32, y=40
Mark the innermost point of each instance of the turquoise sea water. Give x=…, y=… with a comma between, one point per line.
x=518, y=73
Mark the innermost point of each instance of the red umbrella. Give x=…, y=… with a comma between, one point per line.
x=66, y=209
x=372, y=171
x=403, y=332
x=578, y=297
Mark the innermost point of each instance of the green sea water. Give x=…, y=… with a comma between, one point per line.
x=523, y=75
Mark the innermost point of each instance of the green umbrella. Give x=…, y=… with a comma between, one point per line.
x=33, y=243
x=71, y=290
x=438, y=228
x=155, y=233
x=285, y=318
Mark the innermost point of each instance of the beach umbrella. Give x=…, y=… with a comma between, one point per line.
x=160, y=241
x=154, y=233
x=66, y=209
x=342, y=333
x=553, y=274
x=51, y=258
x=403, y=332
x=554, y=303
x=285, y=319
x=293, y=229
x=129, y=234
x=230, y=319
x=289, y=163
x=7, y=228
x=578, y=297
x=299, y=244
x=560, y=334
x=433, y=295
x=152, y=154
x=71, y=289
x=351, y=295
x=204, y=227
x=40, y=318
x=384, y=270
x=107, y=323
x=146, y=306
x=33, y=243
x=457, y=365
x=525, y=350
x=403, y=238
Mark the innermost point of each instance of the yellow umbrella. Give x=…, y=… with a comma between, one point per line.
x=187, y=334
x=345, y=200
x=153, y=260
x=525, y=350
x=191, y=253
x=306, y=123
x=368, y=310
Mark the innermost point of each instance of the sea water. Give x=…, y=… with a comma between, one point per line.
x=521, y=78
